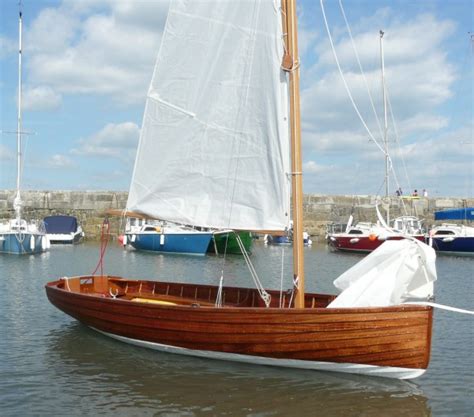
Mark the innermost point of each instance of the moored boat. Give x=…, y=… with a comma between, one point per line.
x=237, y=117
x=63, y=229
x=169, y=239
x=365, y=237
x=19, y=236
x=286, y=238
x=451, y=238
x=223, y=242
x=182, y=318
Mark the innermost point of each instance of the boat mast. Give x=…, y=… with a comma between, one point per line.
x=17, y=201
x=385, y=126
x=291, y=64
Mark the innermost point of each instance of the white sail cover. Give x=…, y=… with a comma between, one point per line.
x=214, y=145
x=396, y=272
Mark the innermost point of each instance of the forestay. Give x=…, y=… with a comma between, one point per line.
x=214, y=146
x=396, y=272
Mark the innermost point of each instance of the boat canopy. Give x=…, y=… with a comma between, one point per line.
x=396, y=272
x=60, y=224
x=466, y=213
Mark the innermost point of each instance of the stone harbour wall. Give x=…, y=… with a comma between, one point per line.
x=88, y=206
x=319, y=210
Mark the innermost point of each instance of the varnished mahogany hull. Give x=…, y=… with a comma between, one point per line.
x=382, y=337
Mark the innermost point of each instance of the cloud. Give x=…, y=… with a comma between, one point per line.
x=60, y=161
x=7, y=47
x=40, y=98
x=99, y=47
x=312, y=167
x=333, y=135
x=6, y=154
x=113, y=141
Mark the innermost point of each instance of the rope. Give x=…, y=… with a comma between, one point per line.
x=218, y=302
x=104, y=240
x=66, y=279
x=263, y=294
x=360, y=67
x=295, y=287
x=281, y=276
x=441, y=307
x=345, y=83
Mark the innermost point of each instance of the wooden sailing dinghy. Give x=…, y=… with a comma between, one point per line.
x=219, y=103
x=182, y=318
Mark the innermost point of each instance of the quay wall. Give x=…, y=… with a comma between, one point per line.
x=319, y=210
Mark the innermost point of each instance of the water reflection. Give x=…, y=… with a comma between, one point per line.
x=53, y=366
x=97, y=373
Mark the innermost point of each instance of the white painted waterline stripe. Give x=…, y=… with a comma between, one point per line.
x=351, y=368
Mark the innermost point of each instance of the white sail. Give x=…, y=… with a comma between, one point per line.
x=214, y=145
x=396, y=272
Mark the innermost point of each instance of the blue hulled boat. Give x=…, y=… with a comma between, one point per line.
x=168, y=239
x=451, y=238
x=17, y=236
x=22, y=238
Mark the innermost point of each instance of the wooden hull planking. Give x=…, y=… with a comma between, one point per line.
x=183, y=317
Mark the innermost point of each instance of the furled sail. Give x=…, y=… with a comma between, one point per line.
x=214, y=145
x=396, y=272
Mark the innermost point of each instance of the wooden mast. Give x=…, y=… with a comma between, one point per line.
x=291, y=64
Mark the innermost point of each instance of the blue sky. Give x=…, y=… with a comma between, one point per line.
x=87, y=66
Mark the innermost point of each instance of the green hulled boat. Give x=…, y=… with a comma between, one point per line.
x=226, y=242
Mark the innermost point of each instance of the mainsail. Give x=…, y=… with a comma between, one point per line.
x=214, y=145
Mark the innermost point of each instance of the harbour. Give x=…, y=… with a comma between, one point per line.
x=319, y=209
x=52, y=365
x=218, y=284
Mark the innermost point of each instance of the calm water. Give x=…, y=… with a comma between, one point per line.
x=53, y=366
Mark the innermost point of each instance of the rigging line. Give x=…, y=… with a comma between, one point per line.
x=345, y=83
x=404, y=206
x=360, y=68
x=379, y=191
x=440, y=306
x=261, y=290
x=397, y=138
x=281, y=276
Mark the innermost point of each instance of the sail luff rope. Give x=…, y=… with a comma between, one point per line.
x=354, y=105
